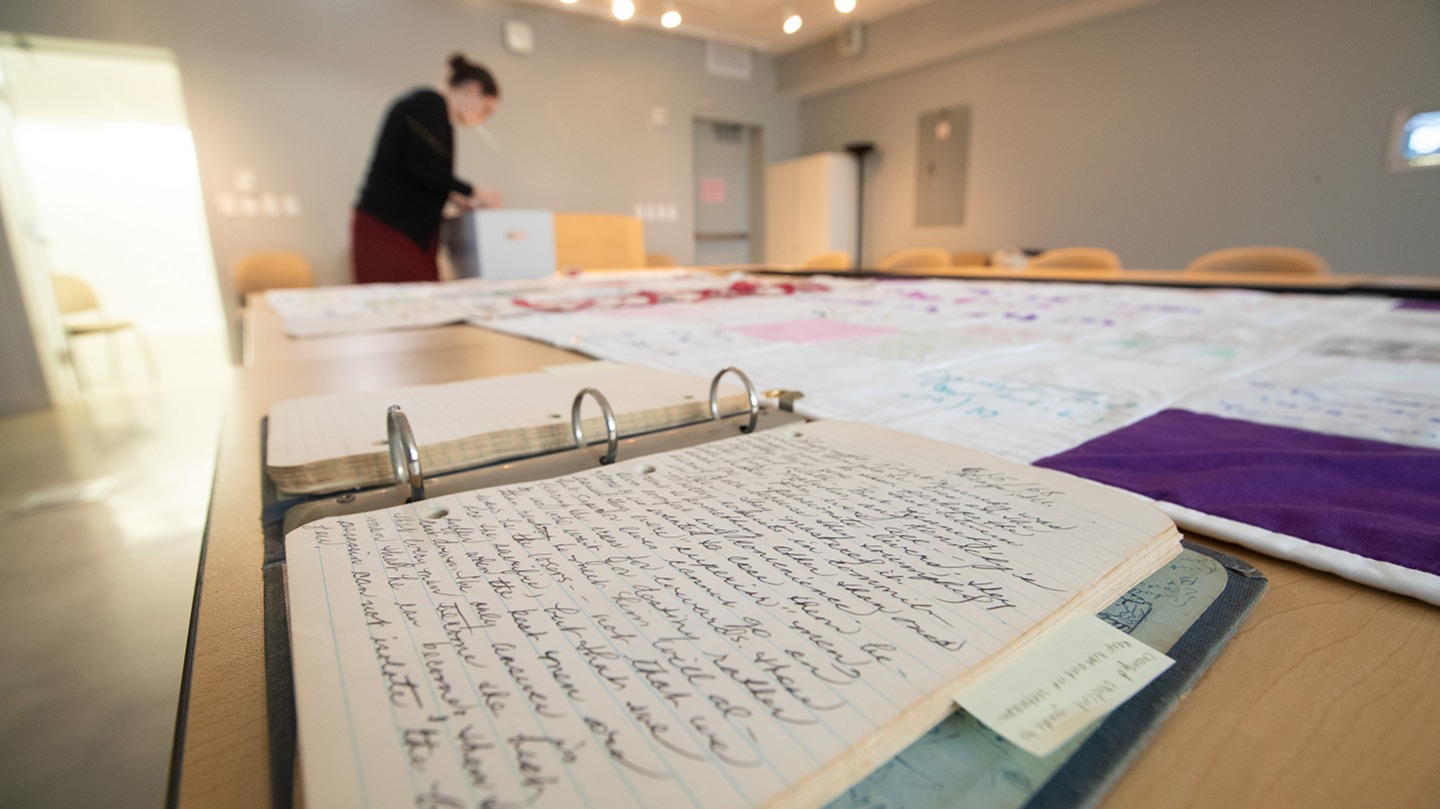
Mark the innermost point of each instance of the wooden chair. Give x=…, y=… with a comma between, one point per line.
x=82, y=316
x=1078, y=258
x=828, y=260
x=914, y=258
x=257, y=272
x=970, y=258
x=598, y=241
x=1291, y=260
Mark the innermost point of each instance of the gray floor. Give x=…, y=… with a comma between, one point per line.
x=103, y=506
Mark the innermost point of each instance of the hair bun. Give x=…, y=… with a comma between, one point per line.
x=463, y=70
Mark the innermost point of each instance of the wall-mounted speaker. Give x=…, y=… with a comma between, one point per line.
x=850, y=42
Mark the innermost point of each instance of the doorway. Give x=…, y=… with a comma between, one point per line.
x=103, y=185
x=729, y=177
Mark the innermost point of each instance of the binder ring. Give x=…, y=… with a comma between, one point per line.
x=404, y=453
x=612, y=433
x=749, y=391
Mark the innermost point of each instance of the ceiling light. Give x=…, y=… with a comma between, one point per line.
x=671, y=17
x=842, y=6
x=792, y=20
x=623, y=9
x=569, y=2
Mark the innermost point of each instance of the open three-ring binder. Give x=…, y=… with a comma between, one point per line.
x=747, y=610
x=410, y=481
x=330, y=443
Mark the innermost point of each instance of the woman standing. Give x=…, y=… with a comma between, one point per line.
x=394, y=232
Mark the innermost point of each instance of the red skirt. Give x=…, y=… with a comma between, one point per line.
x=382, y=254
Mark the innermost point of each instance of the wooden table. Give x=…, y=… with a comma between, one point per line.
x=1327, y=697
x=1423, y=286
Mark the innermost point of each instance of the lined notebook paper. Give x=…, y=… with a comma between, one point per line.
x=758, y=621
x=337, y=441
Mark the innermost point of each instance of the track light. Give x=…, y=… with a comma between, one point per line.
x=792, y=20
x=671, y=17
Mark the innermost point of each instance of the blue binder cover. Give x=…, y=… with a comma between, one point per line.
x=1190, y=609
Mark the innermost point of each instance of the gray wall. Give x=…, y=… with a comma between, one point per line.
x=293, y=90
x=1164, y=132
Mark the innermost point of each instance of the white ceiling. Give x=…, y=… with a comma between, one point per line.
x=747, y=23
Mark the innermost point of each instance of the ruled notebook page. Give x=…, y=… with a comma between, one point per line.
x=753, y=622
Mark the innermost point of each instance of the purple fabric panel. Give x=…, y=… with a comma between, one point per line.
x=1371, y=498
x=1413, y=303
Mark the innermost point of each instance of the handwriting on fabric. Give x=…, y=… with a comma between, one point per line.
x=704, y=630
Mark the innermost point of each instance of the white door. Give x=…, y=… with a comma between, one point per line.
x=726, y=180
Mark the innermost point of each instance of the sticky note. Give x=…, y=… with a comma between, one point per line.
x=1071, y=677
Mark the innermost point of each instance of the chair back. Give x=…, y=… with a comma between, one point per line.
x=915, y=257
x=1260, y=259
x=597, y=241
x=828, y=260
x=1078, y=258
x=73, y=295
x=257, y=272
x=970, y=258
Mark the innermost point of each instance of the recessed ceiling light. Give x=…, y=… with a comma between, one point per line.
x=843, y=6
x=623, y=9
x=671, y=17
x=792, y=21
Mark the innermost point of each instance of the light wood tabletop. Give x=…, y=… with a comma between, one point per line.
x=1325, y=698
x=1139, y=276
x=1427, y=286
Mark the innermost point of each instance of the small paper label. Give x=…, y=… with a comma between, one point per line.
x=1071, y=677
x=712, y=191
